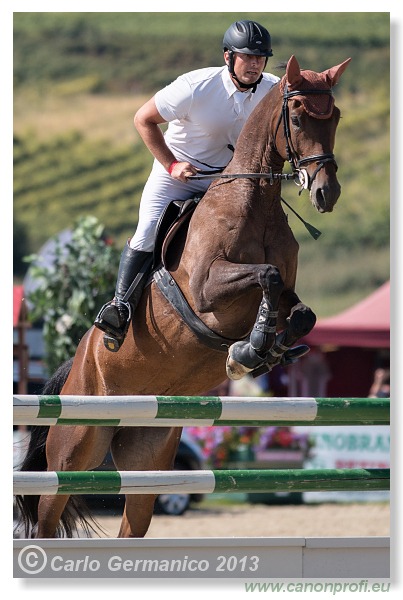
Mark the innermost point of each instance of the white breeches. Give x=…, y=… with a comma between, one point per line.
x=158, y=192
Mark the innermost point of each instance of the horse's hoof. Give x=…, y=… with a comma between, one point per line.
x=293, y=354
x=235, y=369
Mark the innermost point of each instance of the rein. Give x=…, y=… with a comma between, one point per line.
x=299, y=175
x=270, y=175
x=315, y=233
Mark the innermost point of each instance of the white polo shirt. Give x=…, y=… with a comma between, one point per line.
x=206, y=113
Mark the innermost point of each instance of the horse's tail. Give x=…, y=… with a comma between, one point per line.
x=35, y=460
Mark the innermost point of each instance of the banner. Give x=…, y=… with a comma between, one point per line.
x=348, y=447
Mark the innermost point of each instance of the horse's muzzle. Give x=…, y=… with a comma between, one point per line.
x=324, y=197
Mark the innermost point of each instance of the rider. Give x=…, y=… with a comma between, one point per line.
x=206, y=110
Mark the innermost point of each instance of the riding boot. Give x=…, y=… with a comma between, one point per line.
x=114, y=317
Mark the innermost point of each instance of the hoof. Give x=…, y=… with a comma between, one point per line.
x=235, y=369
x=293, y=354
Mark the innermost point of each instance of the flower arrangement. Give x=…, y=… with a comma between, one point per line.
x=70, y=291
x=219, y=443
x=283, y=437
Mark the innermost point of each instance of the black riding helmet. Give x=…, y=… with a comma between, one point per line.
x=246, y=37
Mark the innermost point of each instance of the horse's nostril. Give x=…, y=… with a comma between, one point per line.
x=320, y=201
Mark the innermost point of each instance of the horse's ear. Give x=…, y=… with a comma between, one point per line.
x=333, y=75
x=293, y=72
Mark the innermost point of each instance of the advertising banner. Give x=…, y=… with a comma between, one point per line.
x=348, y=447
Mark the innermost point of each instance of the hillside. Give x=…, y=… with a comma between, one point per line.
x=79, y=78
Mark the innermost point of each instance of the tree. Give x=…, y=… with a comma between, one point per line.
x=20, y=247
x=73, y=288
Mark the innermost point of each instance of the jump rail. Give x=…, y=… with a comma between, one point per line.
x=355, y=557
x=206, y=482
x=162, y=411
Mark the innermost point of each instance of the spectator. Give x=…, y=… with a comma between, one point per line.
x=380, y=387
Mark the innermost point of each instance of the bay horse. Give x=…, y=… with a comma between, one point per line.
x=236, y=267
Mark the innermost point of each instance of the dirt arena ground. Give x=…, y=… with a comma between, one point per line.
x=257, y=520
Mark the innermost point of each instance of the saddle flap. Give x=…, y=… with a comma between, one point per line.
x=175, y=216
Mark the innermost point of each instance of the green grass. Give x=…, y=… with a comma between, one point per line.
x=139, y=51
x=80, y=77
x=330, y=286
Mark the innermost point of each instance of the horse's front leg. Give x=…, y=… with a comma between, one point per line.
x=297, y=324
x=246, y=357
x=296, y=320
x=230, y=280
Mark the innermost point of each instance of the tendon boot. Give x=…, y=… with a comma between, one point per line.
x=114, y=317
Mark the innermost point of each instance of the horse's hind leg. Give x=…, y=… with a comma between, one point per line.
x=137, y=515
x=69, y=448
x=50, y=510
x=143, y=449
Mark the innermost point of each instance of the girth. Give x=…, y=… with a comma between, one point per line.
x=171, y=291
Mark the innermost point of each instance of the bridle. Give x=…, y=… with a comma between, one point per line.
x=301, y=176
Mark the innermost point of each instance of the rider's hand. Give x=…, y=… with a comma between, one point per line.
x=182, y=170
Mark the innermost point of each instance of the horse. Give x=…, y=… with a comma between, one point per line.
x=235, y=265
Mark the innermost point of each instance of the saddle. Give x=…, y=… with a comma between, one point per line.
x=175, y=216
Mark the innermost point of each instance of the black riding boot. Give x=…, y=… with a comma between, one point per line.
x=114, y=317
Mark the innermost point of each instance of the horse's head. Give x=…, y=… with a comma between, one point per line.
x=310, y=119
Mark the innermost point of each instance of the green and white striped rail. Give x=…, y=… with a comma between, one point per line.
x=204, y=482
x=162, y=411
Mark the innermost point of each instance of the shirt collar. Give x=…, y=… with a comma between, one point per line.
x=229, y=85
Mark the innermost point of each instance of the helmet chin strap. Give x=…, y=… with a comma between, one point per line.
x=247, y=86
x=231, y=69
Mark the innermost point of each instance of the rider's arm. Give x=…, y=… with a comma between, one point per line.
x=147, y=121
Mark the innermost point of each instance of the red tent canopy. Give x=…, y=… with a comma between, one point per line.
x=365, y=325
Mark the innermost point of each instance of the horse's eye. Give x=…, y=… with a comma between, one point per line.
x=295, y=121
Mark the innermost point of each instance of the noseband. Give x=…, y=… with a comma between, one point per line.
x=301, y=175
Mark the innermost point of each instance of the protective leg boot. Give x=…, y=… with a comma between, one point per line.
x=114, y=317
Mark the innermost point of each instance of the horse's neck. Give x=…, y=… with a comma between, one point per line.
x=254, y=152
